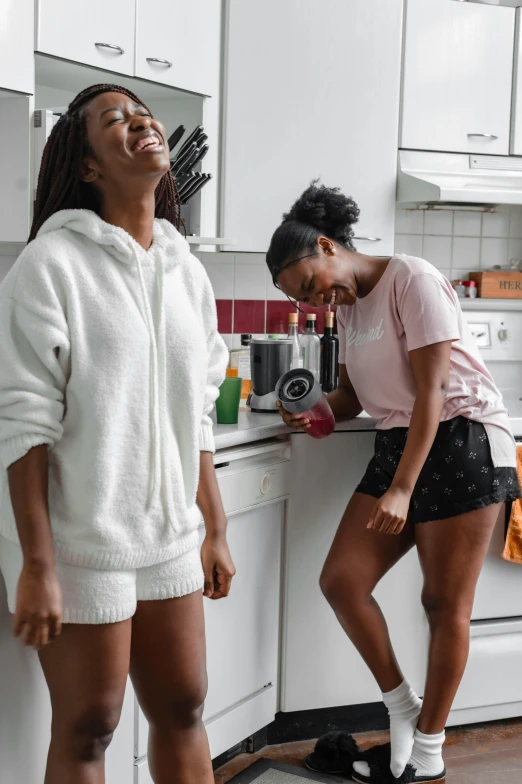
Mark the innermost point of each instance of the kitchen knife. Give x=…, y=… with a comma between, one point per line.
x=192, y=138
x=196, y=177
x=176, y=136
x=182, y=158
x=189, y=162
x=201, y=154
x=180, y=181
x=197, y=187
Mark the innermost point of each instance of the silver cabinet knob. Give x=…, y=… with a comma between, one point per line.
x=367, y=239
x=482, y=136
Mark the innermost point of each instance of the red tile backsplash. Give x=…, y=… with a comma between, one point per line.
x=258, y=317
x=224, y=314
x=277, y=316
x=249, y=316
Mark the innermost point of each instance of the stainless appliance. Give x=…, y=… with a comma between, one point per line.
x=270, y=359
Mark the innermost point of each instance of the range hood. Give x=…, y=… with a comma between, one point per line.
x=458, y=178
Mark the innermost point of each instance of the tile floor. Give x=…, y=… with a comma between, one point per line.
x=487, y=754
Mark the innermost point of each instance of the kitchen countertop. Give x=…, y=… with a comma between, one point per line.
x=256, y=427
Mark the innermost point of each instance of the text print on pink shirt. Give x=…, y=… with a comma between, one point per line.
x=354, y=337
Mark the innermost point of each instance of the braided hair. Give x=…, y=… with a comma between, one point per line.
x=319, y=211
x=60, y=184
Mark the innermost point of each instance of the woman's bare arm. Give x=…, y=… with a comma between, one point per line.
x=38, y=605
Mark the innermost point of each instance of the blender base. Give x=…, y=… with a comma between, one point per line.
x=263, y=404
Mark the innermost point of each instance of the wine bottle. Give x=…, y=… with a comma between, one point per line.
x=329, y=355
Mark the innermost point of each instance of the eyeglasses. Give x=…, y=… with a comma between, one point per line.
x=294, y=261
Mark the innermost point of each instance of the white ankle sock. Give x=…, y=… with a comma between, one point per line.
x=426, y=756
x=404, y=708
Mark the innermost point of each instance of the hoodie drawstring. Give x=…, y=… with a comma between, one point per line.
x=157, y=379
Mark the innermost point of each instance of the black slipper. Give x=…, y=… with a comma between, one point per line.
x=334, y=753
x=378, y=759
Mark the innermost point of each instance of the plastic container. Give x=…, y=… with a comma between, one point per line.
x=227, y=404
x=471, y=289
x=460, y=288
x=300, y=393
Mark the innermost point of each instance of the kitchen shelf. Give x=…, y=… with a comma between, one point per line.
x=490, y=304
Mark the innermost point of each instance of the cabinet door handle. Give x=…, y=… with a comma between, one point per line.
x=482, y=136
x=159, y=61
x=110, y=46
x=367, y=239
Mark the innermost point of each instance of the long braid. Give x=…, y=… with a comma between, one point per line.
x=60, y=184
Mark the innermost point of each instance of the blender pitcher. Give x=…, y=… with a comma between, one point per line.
x=300, y=393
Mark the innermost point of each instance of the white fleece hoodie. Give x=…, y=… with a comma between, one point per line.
x=110, y=355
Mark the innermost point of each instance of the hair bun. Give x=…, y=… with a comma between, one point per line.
x=327, y=210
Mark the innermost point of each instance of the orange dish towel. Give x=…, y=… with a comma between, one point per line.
x=513, y=549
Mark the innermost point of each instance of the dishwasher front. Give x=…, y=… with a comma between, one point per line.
x=243, y=630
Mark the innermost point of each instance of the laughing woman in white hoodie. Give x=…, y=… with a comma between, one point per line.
x=110, y=364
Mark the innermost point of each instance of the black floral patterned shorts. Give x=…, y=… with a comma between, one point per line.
x=458, y=476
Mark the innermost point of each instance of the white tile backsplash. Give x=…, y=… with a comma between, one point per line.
x=437, y=250
x=466, y=253
x=458, y=241
x=409, y=222
x=467, y=224
x=494, y=251
x=515, y=227
x=495, y=224
x=221, y=274
x=515, y=249
x=438, y=222
x=250, y=278
x=410, y=244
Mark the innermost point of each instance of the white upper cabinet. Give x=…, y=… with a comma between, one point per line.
x=178, y=43
x=16, y=45
x=458, y=66
x=312, y=89
x=94, y=32
x=516, y=118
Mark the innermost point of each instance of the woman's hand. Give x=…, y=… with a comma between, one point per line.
x=38, y=615
x=390, y=513
x=295, y=421
x=218, y=566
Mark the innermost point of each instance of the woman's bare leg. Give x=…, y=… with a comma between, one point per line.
x=168, y=671
x=357, y=561
x=86, y=671
x=451, y=553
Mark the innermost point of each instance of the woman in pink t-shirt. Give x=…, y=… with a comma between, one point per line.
x=444, y=462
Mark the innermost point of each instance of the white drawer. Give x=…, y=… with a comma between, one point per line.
x=253, y=486
x=494, y=672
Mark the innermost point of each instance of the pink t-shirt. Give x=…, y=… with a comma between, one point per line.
x=412, y=306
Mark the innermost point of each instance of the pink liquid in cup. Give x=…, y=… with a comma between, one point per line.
x=320, y=428
x=322, y=422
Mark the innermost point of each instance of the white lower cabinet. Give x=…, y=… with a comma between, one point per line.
x=243, y=637
x=492, y=684
x=320, y=666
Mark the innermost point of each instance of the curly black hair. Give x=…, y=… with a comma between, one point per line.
x=60, y=184
x=319, y=211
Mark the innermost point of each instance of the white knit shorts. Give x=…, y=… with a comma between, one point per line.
x=102, y=596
